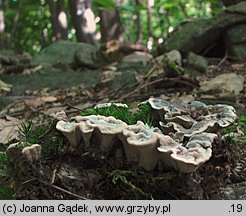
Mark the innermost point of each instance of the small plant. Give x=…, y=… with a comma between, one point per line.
x=4, y=164
x=6, y=177
x=123, y=113
x=31, y=134
x=45, y=135
x=6, y=193
x=122, y=175
x=230, y=138
x=145, y=114
x=241, y=125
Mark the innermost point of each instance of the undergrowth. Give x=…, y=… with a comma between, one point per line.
x=240, y=125
x=143, y=114
x=13, y=171
x=123, y=176
x=46, y=135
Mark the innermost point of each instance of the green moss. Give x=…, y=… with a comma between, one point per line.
x=240, y=122
x=6, y=176
x=123, y=176
x=6, y=193
x=241, y=125
x=31, y=134
x=14, y=173
x=46, y=135
x=123, y=113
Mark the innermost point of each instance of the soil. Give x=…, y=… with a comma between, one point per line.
x=92, y=175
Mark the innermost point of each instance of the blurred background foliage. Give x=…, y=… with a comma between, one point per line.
x=28, y=25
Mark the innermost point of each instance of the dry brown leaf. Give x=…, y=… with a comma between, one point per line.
x=9, y=129
x=5, y=87
x=49, y=99
x=34, y=103
x=112, y=46
x=39, y=101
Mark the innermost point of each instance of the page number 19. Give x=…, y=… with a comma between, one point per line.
x=236, y=208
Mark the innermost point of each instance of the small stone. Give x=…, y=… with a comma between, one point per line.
x=138, y=58
x=197, y=62
x=89, y=56
x=238, y=52
x=173, y=56
x=236, y=34
x=230, y=83
x=57, y=52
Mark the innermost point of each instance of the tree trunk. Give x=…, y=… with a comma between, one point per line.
x=58, y=20
x=83, y=20
x=149, y=25
x=110, y=26
x=228, y=3
x=2, y=24
x=149, y=20
x=62, y=20
x=183, y=9
x=138, y=22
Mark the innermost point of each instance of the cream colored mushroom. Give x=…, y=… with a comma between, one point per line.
x=71, y=131
x=144, y=140
x=106, y=129
x=186, y=159
x=32, y=153
x=60, y=116
x=14, y=151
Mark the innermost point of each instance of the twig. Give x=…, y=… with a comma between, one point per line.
x=223, y=60
x=74, y=107
x=63, y=190
x=141, y=87
x=29, y=180
x=52, y=180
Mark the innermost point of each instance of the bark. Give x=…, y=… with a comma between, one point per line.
x=110, y=25
x=2, y=24
x=149, y=20
x=83, y=20
x=228, y=3
x=138, y=22
x=16, y=19
x=58, y=20
x=183, y=9
x=62, y=20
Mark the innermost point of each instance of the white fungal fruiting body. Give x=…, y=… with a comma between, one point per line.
x=141, y=145
x=147, y=146
x=71, y=131
x=32, y=153
x=186, y=119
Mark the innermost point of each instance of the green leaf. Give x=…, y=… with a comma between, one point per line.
x=105, y=3
x=132, y=8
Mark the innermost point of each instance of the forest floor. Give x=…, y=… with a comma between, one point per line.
x=61, y=174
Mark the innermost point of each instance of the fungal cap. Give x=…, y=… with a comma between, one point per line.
x=70, y=130
x=32, y=153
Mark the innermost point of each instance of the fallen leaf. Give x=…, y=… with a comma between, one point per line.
x=39, y=101
x=112, y=46
x=4, y=86
x=9, y=129
x=34, y=103
x=48, y=99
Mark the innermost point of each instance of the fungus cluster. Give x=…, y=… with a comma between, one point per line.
x=180, y=120
x=183, y=143
x=29, y=153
